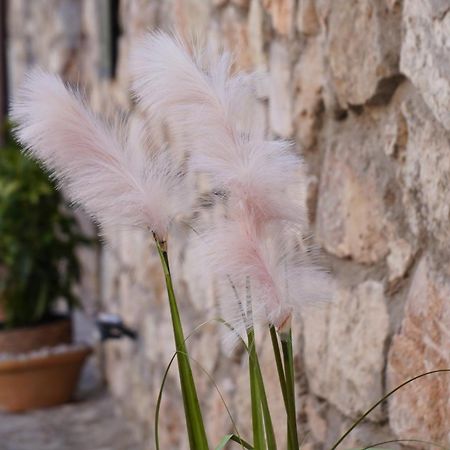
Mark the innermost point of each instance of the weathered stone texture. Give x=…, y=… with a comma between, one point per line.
x=282, y=14
x=363, y=46
x=280, y=99
x=344, y=348
x=423, y=344
x=426, y=171
x=363, y=88
x=425, y=53
x=357, y=190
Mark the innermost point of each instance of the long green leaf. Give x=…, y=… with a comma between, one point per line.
x=286, y=345
x=193, y=415
x=255, y=394
x=281, y=376
x=357, y=422
x=279, y=363
x=270, y=434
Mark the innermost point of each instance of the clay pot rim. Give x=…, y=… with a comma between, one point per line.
x=38, y=362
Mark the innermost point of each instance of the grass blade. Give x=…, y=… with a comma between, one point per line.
x=286, y=345
x=281, y=376
x=255, y=394
x=357, y=422
x=270, y=434
x=279, y=363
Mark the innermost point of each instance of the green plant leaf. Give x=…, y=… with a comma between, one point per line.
x=39, y=237
x=286, y=345
x=255, y=394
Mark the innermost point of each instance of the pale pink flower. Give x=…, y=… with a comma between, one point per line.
x=101, y=166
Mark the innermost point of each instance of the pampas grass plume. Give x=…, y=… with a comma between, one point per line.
x=210, y=107
x=104, y=167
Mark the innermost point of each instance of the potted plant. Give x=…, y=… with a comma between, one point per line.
x=38, y=270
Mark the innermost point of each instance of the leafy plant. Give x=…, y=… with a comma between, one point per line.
x=38, y=240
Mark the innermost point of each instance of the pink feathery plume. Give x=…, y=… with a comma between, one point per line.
x=275, y=263
x=110, y=173
x=211, y=111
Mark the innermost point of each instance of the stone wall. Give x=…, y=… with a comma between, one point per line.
x=363, y=87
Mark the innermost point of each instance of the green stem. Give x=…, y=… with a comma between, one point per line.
x=279, y=363
x=255, y=394
x=194, y=420
x=286, y=344
x=270, y=434
x=281, y=376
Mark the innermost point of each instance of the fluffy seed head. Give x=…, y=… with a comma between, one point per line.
x=109, y=172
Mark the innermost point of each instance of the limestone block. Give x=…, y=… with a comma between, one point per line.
x=344, y=348
x=54, y=45
x=307, y=18
x=399, y=259
x=255, y=27
x=426, y=172
x=425, y=53
x=357, y=190
x=280, y=96
x=308, y=84
x=423, y=343
x=282, y=13
x=363, y=48
x=234, y=32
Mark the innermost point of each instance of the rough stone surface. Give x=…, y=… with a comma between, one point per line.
x=309, y=79
x=351, y=333
x=280, y=98
x=307, y=20
x=399, y=259
x=423, y=344
x=426, y=172
x=425, y=53
x=363, y=47
x=363, y=89
x=356, y=191
x=282, y=13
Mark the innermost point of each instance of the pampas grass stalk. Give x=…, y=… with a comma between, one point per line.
x=193, y=415
x=286, y=344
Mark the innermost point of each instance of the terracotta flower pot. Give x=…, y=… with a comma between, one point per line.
x=35, y=382
x=27, y=339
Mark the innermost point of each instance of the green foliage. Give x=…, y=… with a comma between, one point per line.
x=38, y=241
